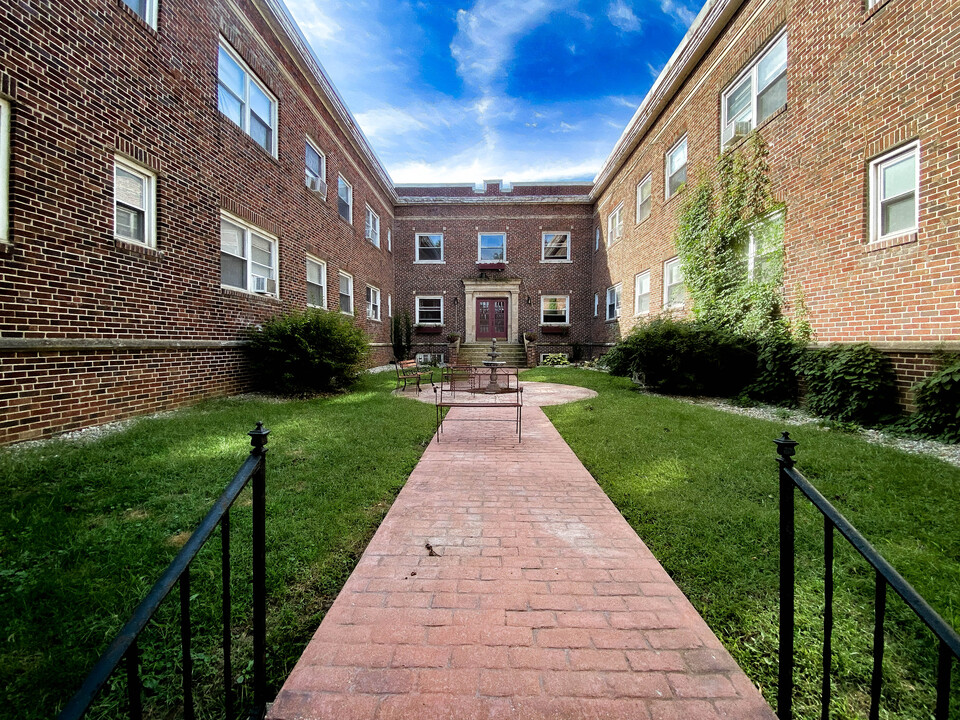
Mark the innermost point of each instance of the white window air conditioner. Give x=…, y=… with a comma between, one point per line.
x=737, y=131
x=317, y=185
x=264, y=285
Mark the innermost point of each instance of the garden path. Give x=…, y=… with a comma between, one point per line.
x=503, y=583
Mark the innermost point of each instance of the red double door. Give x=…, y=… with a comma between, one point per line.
x=492, y=318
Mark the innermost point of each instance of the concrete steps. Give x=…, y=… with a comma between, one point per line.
x=475, y=353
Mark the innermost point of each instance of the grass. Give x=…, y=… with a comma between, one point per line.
x=87, y=528
x=700, y=487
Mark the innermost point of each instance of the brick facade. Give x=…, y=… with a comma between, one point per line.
x=93, y=328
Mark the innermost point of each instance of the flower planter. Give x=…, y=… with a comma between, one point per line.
x=554, y=329
x=429, y=329
x=491, y=266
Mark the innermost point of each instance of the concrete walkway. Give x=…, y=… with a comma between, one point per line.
x=503, y=583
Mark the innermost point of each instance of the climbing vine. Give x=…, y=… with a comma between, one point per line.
x=730, y=241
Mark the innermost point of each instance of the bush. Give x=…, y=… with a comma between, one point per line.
x=685, y=357
x=306, y=352
x=776, y=381
x=938, y=404
x=555, y=359
x=401, y=333
x=850, y=383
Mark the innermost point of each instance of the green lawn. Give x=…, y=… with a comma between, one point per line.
x=86, y=529
x=700, y=487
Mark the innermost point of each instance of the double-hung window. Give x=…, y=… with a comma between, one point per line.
x=345, y=199
x=429, y=311
x=644, y=200
x=248, y=257
x=492, y=247
x=554, y=309
x=429, y=248
x=765, y=242
x=372, y=227
x=4, y=171
x=641, y=293
x=245, y=100
x=758, y=92
x=596, y=239
x=146, y=9
x=316, y=283
x=134, y=203
x=373, y=303
x=555, y=247
x=315, y=166
x=615, y=225
x=676, y=167
x=346, y=293
x=674, y=292
x=894, y=193
x=613, y=301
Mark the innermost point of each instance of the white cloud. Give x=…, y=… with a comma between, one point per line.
x=622, y=16
x=678, y=11
x=474, y=166
x=388, y=121
x=654, y=71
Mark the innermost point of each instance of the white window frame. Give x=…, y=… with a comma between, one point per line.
x=648, y=182
x=323, y=283
x=642, y=276
x=149, y=15
x=666, y=167
x=765, y=221
x=389, y=305
x=5, y=113
x=389, y=240
x=349, y=218
x=245, y=109
x=480, y=247
x=596, y=239
x=371, y=226
x=248, y=230
x=416, y=250
x=417, y=308
x=149, y=179
x=340, y=276
x=369, y=294
x=751, y=72
x=309, y=174
x=596, y=304
x=543, y=247
x=615, y=225
x=667, y=264
x=876, y=189
x=617, y=291
x=566, y=310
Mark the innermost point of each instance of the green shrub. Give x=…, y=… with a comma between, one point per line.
x=555, y=359
x=306, y=352
x=776, y=381
x=850, y=383
x=938, y=404
x=685, y=357
x=401, y=334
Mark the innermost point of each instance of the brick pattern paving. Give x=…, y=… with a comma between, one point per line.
x=503, y=583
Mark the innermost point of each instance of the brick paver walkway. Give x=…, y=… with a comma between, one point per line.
x=503, y=583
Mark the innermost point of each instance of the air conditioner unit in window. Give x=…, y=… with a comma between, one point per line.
x=263, y=284
x=737, y=131
x=317, y=185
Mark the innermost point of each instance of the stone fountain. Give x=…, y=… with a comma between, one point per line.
x=493, y=387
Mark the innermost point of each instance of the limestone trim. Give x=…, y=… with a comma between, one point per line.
x=472, y=289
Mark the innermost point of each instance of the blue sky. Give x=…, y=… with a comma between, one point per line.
x=480, y=89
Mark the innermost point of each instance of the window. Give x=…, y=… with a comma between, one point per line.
x=315, y=164
x=134, y=203
x=243, y=99
x=429, y=311
x=644, y=201
x=757, y=93
x=346, y=294
x=4, y=171
x=676, y=167
x=372, y=227
x=641, y=293
x=345, y=199
x=613, y=302
x=764, y=247
x=493, y=247
x=389, y=241
x=674, y=293
x=429, y=248
x=373, y=303
x=596, y=304
x=596, y=240
x=389, y=305
x=248, y=257
x=555, y=247
x=316, y=283
x=615, y=225
x=554, y=309
x=146, y=9
x=894, y=193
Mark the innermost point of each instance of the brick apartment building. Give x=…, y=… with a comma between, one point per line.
x=136, y=133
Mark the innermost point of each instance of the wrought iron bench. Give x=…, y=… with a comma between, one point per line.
x=409, y=370
x=506, y=398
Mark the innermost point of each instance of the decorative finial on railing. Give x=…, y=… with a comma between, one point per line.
x=258, y=438
x=786, y=449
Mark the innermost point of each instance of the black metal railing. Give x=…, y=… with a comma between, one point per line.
x=125, y=647
x=949, y=640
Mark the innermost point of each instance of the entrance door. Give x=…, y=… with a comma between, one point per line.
x=492, y=318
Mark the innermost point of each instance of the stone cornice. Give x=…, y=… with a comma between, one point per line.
x=499, y=200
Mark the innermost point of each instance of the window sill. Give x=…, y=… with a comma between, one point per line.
x=896, y=241
x=642, y=314
x=612, y=320
x=137, y=249
x=870, y=12
x=429, y=262
x=493, y=262
x=679, y=191
x=317, y=307
x=556, y=262
x=373, y=319
x=248, y=138
x=643, y=221
x=241, y=293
